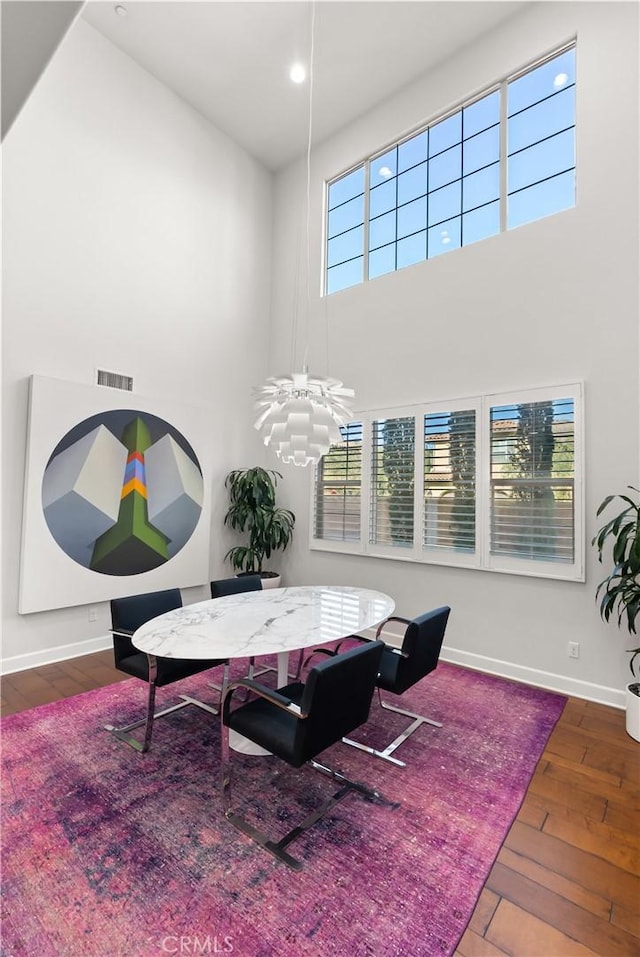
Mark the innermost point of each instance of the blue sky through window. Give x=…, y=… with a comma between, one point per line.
x=440, y=189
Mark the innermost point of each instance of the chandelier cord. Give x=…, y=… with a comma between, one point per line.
x=300, y=415
x=296, y=300
x=308, y=223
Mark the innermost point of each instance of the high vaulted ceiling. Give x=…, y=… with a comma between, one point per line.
x=231, y=60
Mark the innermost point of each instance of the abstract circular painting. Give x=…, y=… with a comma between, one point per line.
x=122, y=492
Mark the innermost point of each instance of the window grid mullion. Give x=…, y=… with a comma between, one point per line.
x=503, y=157
x=461, y=177
x=365, y=230
x=543, y=139
x=395, y=245
x=545, y=179
x=480, y=227
x=543, y=99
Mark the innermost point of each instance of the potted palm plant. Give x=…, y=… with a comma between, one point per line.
x=253, y=511
x=619, y=592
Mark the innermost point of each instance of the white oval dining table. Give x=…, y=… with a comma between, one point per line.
x=271, y=621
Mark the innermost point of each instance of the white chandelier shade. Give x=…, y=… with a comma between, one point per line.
x=299, y=416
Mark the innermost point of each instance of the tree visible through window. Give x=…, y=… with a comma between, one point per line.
x=338, y=488
x=491, y=484
x=450, y=480
x=393, y=481
x=463, y=478
x=532, y=500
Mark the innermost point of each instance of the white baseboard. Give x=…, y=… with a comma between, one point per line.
x=48, y=656
x=614, y=697
x=493, y=666
x=541, y=679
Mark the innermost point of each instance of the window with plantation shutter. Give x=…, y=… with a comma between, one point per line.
x=532, y=480
x=490, y=482
x=392, y=482
x=338, y=488
x=450, y=481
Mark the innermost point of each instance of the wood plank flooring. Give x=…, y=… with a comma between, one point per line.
x=567, y=878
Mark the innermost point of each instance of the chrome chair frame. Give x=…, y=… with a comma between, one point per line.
x=124, y=733
x=417, y=719
x=277, y=848
x=387, y=752
x=134, y=611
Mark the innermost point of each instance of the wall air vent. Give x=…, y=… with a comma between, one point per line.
x=114, y=380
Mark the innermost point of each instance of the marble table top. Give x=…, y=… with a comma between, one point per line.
x=263, y=622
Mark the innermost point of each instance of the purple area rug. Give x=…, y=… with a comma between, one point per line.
x=110, y=852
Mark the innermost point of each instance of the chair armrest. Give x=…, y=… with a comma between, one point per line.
x=404, y=621
x=349, y=638
x=390, y=648
x=336, y=650
x=319, y=651
x=122, y=632
x=262, y=691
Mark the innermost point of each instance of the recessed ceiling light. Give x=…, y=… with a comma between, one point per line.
x=560, y=79
x=385, y=171
x=297, y=73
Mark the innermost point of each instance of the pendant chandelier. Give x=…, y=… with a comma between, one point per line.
x=299, y=415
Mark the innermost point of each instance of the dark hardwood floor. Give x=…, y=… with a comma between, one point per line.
x=567, y=878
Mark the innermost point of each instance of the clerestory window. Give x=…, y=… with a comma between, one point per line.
x=504, y=159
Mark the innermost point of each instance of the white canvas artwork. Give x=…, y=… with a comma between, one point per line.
x=117, y=495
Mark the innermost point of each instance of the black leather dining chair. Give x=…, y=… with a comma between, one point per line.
x=299, y=721
x=401, y=668
x=237, y=586
x=127, y=615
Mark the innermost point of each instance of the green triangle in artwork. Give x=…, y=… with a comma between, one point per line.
x=136, y=435
x=133, y=544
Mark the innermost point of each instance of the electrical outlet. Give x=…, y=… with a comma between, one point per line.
x=574, y=649
x=93, y=614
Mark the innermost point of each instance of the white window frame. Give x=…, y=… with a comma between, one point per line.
x=501, y=84
x=481, y=559
x=574, y=571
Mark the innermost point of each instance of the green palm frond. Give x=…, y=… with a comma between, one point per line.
x=253, y=512
x=619, y=593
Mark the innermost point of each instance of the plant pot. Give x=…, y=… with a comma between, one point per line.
x=269, y=579
x=633, y=710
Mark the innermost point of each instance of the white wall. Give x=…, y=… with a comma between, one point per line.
x=136, y=238
x=31, y=33
x=554, y=301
